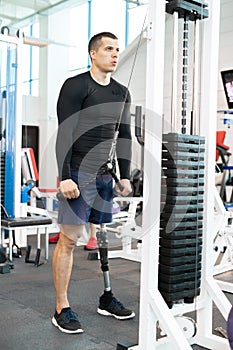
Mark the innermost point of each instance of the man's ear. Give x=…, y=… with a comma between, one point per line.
x=92, y=54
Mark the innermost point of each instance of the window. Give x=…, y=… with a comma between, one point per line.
x=124, y=20
x=78, y=57
x=137, y=20
x=30, y=69
x=109, y=15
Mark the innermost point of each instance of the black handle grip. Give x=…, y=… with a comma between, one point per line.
x=138, y=125
x=119, y=185
x=117, y=181
x=60, y=196
x=114, y=175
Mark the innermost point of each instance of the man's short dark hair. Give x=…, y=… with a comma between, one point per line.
x=94, y=42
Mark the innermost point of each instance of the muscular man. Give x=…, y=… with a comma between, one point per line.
x=91, y=107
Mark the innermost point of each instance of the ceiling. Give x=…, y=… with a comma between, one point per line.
x=18, y=13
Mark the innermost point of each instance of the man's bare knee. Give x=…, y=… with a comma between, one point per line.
x=72, y=232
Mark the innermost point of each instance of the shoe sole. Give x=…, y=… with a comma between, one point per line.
x=54, y=322
x=86, y=248
x=106, y=313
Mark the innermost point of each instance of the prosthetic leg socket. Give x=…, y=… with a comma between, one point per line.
x=102, y=240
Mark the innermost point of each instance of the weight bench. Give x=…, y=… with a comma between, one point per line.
x=37, y=222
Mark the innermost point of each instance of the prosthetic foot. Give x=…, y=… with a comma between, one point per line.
x=108, y=304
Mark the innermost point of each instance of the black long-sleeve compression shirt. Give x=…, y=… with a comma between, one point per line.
x=88, y=115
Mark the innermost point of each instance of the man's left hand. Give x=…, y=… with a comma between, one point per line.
x=127, y=189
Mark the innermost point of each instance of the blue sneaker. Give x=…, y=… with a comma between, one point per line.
x=67, y=321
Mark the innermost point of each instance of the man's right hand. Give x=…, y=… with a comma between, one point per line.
x=69, y=189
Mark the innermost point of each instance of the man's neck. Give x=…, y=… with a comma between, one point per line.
x=100, y=77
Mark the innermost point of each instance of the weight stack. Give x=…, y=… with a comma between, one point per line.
x=181, y=220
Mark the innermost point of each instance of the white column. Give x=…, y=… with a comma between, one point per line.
x=152, y=170
x=54, y=61
x=208, y=117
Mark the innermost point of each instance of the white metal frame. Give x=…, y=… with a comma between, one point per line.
x=153, y=308
x=223, y=243
x=127, y=230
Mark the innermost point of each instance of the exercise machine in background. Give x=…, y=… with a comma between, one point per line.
x=15, y=215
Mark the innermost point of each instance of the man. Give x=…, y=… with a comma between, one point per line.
x=91, y=108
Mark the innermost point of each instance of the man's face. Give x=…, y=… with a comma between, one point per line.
x=105, y=58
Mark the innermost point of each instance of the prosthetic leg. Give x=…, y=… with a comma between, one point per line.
x=102, y=239
x=108, y=304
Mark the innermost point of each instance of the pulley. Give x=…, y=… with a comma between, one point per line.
x=187, y=325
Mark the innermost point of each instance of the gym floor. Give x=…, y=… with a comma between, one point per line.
x=27, y=304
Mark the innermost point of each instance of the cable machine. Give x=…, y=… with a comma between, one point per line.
x=162, y=309
x=10, y=132
x=10, y=117
x=13, y=206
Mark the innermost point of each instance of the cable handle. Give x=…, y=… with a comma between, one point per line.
x=110, y=170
